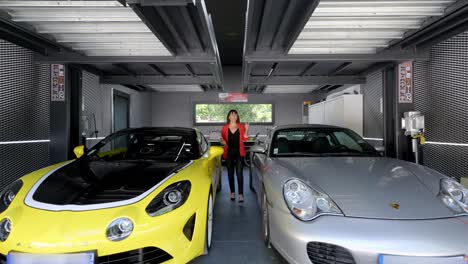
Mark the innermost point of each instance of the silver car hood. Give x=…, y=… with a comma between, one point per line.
x=368, y=186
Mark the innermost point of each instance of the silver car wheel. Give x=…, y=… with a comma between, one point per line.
x=210, y=221
x=209, y=225
x=265, y=223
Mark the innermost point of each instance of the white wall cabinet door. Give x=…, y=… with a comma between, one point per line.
x=344, y=111
x=317, y=114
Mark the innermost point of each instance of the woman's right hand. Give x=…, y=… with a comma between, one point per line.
x=223, y=142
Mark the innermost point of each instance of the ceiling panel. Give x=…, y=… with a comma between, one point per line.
x=94, y=28
x=363, y=26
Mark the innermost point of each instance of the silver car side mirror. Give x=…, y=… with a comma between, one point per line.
x=258, y=149
x=380, y=150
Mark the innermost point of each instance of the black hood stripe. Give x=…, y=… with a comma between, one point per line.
x=30, y=201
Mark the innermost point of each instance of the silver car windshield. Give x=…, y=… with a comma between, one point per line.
x=320, y=142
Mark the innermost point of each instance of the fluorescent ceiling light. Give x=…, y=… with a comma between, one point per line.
x=176, y=88
x=290, y=88
x=363, y=26
x=94, y=28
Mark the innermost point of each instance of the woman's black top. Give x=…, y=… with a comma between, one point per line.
x=233, y=143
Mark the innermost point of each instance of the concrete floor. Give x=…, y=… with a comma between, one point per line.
x=237, y=235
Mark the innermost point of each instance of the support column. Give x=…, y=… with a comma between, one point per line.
x=65, y=112
x=389, y=111
x=59, y=114
x=397, y=145
x=75, y=84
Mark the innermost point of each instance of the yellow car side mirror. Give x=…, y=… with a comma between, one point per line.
x=79, y=151
x=215, y=151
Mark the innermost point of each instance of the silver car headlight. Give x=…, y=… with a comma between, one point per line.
x=119, y=229
x=454, y=195
x=306, y=203
x=8, y=194
x=169, y=199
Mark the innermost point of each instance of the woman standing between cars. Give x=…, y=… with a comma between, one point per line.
x=233, y=136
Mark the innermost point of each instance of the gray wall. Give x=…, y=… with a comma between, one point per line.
x=441, y=94
x=24, y=112
x=97, y=100
x=176, y=109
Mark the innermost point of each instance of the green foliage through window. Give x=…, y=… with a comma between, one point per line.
x=217, y=113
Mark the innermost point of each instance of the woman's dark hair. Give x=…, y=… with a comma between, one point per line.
x=235, y=112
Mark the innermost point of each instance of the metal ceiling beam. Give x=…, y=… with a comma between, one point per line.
x=160, y=2
x=282, y=29
x=156, y=79
x=207, y=23
x=304, y=17
x=323, y=87
x=246, y=70
x=375, y=67
x=340, y=68
x=89, y=68
x=23, y=37
x=190, y=69
x=308, y=80
x=264, y=24
x=158, y=70
x=144, y=88
x=133, y=87
x=74, y=58
x=307, y=69
x=170, y=26
x=195, y=32
x=156, y=24
x=274, y=25
x=273, y=69
x=393, y=55
x=125, y=69
x=444, y=28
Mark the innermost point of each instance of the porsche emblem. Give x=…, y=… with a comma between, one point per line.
x=395, y=206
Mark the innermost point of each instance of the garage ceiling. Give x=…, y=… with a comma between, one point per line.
x=287, y=45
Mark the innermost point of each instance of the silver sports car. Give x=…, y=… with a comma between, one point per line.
x=327, y=197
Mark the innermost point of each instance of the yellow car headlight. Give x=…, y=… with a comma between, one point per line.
x=5, y=229
x=8, y=194
x=119, y=229
x=169, y=199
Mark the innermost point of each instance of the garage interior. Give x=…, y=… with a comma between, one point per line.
x=159, y=58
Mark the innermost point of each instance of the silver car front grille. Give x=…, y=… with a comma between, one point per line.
x=322, y=253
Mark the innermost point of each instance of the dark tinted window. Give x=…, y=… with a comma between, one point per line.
x=145, y=145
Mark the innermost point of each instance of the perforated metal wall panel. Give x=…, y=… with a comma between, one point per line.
x=24, y=112
x=441, y=93
x=93, y=107
x=372, y=92
x=97, y=100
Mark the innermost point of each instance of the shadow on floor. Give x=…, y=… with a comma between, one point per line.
x=237, y=235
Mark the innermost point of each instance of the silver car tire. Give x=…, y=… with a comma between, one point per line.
x=265, y=222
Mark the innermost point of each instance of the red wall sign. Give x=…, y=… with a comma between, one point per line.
x=233, y=97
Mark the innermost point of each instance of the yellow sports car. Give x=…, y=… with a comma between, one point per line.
x=139, y=196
